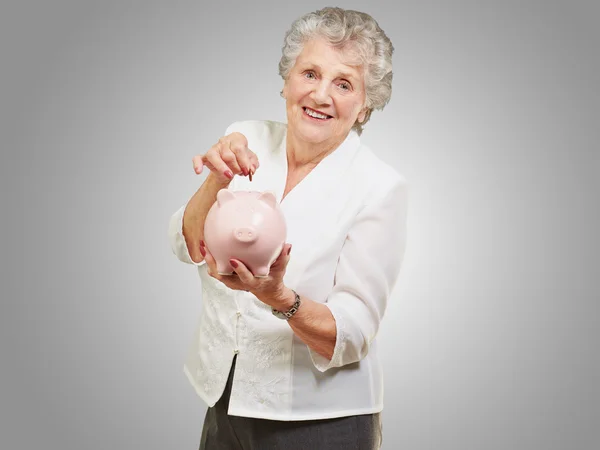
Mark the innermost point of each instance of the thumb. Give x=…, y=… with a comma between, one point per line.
x=283, y=258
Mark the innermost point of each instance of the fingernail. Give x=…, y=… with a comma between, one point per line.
x=203, y=251
x=245, y=172
x=289, y=250
x=233, y=263
x=229, y=174
x=202, y=244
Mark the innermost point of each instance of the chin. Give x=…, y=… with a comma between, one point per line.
x=313, y=136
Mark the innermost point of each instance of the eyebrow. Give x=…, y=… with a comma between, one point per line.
x=342, y=74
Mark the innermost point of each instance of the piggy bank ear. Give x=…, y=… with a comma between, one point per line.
x=268, y=198
x=224, y=196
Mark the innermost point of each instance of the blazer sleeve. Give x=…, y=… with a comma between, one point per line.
x=177, y=240
x=368, y=268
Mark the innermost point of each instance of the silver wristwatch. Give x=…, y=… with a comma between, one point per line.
x=286, y=315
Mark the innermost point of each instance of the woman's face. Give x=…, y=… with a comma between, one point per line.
x=321, y=81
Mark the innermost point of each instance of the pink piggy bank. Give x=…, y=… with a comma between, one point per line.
x=245, y=225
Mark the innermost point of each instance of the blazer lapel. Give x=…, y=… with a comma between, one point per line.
x=313, y=206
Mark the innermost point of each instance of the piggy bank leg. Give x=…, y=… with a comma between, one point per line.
x=261, y=272
x=224, y=268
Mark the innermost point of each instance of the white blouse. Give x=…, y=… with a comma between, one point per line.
x=346, y=222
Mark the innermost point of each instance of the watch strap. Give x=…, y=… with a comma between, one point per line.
x=287, y=315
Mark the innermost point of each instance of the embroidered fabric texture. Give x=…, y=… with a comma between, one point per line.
x=252, y=385
x=214, y=365
x=267, y=345
x=255, y=387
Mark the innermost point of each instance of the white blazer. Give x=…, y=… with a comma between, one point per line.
x=347, y=223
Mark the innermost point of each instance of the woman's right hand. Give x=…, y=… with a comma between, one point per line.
x=228, y=157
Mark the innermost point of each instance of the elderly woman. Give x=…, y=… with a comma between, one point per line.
x=289, y=361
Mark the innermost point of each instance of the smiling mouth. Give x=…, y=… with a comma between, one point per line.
x=314, y=115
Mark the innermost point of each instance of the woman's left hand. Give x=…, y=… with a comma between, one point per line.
x=269, y=289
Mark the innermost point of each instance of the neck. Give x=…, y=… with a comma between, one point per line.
x=301, y=154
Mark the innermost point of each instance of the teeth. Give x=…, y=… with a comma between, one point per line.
x=315, y=114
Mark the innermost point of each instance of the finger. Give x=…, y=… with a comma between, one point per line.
x=229, y=158
x=198, y=164
x=213, y=158
x=254, y=164
x=242, y=271
x=240, y=150
x=210, y=261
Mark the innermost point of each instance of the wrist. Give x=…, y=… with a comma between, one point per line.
x=282, y=299
x=288, y=312
x=217, y=182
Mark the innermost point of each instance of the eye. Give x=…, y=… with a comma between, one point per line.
x=345, y=86
x=309, y=74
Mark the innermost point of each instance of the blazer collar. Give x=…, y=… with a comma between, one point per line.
x=325, y=176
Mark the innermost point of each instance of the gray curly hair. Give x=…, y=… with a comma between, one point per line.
x=360, y=36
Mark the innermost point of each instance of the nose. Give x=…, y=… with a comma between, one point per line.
x=245, y=234
x=321, y=92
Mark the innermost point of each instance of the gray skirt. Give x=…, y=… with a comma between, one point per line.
x=224, y=432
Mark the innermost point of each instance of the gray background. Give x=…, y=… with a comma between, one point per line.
x=489, y=339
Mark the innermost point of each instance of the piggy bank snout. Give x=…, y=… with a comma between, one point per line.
x=245, y=234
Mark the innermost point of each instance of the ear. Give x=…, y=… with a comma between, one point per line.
x=268, y=198
x=284, y=90
x=224, y=196
x=362, y=115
